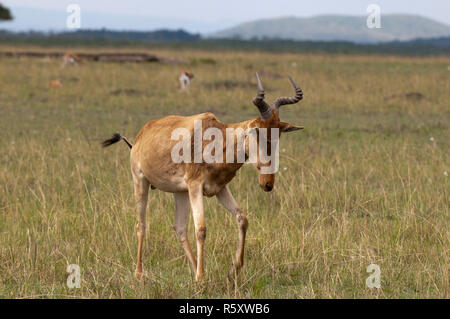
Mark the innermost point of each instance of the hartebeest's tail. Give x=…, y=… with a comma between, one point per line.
x=116, y=138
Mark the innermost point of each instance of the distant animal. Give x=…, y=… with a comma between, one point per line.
x=153, y=166
x=185, y=80
x=412, y=96
x=53, y=84
x=71, y=59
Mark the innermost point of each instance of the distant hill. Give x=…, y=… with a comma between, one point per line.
x=338, y=28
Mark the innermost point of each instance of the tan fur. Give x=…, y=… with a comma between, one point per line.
x=156, y=163
x=53, y=84
x=71, y=58
x=151, y=164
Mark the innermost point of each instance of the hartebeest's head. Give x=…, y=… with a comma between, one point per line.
x=189, y=74
x=269, y=118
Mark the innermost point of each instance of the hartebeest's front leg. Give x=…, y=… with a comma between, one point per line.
x=141, y=186
x=196, y=199
x=226, y=199
x=180, y=225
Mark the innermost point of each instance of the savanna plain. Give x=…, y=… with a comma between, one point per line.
x=366, y=182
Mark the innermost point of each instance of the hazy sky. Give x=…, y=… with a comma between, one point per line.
x=210, y=15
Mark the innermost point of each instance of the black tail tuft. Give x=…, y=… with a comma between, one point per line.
x=116, y=138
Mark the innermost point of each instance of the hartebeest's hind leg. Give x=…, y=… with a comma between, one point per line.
x=180, y=225
x=141, y=186
x=226, y=199
x=196, y=200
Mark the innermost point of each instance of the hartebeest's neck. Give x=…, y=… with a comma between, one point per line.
x=243, y=125
x=240, y=131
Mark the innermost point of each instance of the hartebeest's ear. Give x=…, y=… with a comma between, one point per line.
x=287, y=127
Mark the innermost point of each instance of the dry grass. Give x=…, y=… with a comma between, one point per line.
x=362, y=184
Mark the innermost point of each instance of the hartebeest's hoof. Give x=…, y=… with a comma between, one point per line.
x=199, y=278
x=234, y=271
x=138, y=275
x=231, y=275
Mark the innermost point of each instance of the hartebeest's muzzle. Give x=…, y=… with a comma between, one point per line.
x=267, y=181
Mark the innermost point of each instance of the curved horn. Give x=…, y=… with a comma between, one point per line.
x=264, y=108
x=289, y=100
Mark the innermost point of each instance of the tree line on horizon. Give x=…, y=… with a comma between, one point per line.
x=183, y=39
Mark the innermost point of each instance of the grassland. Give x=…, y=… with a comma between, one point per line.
x=364, y=182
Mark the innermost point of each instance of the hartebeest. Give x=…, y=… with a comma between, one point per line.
x=153, y=166
x=54, y=84
x=71, y=58
x=185, y=80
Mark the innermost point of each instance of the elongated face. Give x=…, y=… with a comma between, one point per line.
x=268, y=147
x=269, y=122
